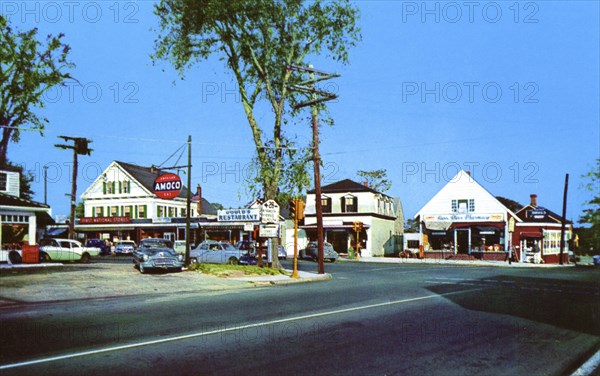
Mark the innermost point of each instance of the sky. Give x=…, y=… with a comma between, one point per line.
x=508, y=90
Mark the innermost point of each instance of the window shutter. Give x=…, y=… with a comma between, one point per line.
x=120, y=187
x=103, y=187
x=343, y=199
x=128, y=186
x=93, y=211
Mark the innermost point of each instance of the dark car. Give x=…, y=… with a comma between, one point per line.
x=157, y=254
x=99, y=243
x=311, y=252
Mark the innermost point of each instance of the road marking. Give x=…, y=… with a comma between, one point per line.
x=221, y=331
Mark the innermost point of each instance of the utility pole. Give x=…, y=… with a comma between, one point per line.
x=189, y=202
x=316, y=97
x=80, y=146
x=45, y=185
x=564, y=219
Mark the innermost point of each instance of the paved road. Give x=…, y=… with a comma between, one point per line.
x=370, y=319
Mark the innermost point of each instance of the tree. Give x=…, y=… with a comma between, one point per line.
x=591, y=215
x=411, y=225
x=258, y=40
x=377, y=179
x=28, y=69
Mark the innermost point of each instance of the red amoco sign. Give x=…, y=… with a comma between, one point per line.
x=167, y=186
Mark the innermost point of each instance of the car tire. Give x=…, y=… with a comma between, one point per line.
x=142, y=269
x=85, y=258
x=44, y=257
x=15, y=258
x=233, y=261
x=332, y=260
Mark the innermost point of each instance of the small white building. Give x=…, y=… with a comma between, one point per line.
x=346, y=202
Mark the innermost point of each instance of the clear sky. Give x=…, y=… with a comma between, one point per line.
x=508, y=90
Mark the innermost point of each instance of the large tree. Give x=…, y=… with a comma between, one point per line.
x=258, y=40
x=376, y=179
x=591, y=214
x=28, y=69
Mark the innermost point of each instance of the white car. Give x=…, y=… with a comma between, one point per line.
x=213, y=252
x=66, y=250
x=10, y=256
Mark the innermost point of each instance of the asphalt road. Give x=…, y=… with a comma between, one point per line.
x=371, y=319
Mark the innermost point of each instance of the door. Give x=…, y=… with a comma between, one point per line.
x=462, y=241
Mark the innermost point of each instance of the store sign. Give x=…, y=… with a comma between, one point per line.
x=238, y=215
x=103, y=220
x=469, y=217
x=167, y=186
x=268, y=231
x=269, y=212
x=539, y=213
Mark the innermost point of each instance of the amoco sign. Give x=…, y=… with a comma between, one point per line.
x=167, y=186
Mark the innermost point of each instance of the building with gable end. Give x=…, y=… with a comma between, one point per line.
x=345, y=202
x=121, y=204
x=537, y=235
x=464, y=221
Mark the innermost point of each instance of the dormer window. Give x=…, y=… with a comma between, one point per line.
x=349, y=204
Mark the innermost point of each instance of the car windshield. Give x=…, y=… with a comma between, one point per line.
x=229, y=247
x=154, y=244
x=126, y=243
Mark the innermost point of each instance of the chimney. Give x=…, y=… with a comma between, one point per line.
x=468, y=172
x=366, y=184
x=533, y=200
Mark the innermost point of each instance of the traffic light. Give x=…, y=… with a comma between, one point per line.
x=293, y=208
x=300, y=209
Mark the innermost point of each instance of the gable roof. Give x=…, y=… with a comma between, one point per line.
x=10, y=200
x=146, y=176
x=344, y=186
x=550, y=215
x=464, y=182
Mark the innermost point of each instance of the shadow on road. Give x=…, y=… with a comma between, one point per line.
x=566, y=304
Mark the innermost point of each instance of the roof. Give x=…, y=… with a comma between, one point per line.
x=344, y=186
x=9, y=200
x=550, y=215
x=146, y=177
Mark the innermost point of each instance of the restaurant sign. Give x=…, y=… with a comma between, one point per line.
x=238, y=215
x=469, y=217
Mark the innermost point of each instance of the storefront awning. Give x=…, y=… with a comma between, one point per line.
x=438, y=225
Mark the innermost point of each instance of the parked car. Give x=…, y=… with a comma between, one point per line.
x=249, y=246
x=12, y=256
x=213, y=252
x=66, y=250
x=156, y=253
x=311, y=252
x=101, y=244
x=125, y=247
x=248, y=259
x=596, y=259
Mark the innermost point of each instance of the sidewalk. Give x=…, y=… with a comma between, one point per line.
x=398, y=260
x=286, y=279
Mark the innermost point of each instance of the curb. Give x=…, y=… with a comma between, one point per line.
x=305, y=277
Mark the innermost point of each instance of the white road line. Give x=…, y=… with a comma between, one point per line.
x=588, y=367
x=220, y=331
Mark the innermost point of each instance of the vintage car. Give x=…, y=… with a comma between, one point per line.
x=11, y=256
x=213, y=252
x=66, y=250
x=101, y=244
x=125, y=247
x=311, y=252
x=157, y=254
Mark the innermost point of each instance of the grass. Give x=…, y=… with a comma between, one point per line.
x=224, y=271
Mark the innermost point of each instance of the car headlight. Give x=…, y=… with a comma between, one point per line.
x=145, y=258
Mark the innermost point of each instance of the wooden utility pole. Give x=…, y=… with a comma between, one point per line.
x=189, y=202
x=564, y=219
x=316, y=97
x=80, y=146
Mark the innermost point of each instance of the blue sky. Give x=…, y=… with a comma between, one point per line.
x=509, y=90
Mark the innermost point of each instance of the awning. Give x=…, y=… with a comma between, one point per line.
x=438, y=225
x=531, y=235
x=56, y=231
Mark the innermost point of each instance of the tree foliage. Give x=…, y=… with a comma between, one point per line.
x=258, y=40
x=591, y=215
x=28, y=69
x=377, y=179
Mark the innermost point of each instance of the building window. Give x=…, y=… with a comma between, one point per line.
x=3, y=182
x=108, y=187
x=142, y=211
x=172, y=212
x=114, y=211
x=326, y=204
x=183, y=213
x=98, y=211
x=127, y=212
x=126, y=186
x=463, y=206
x=160, y=211
x=349, y=204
